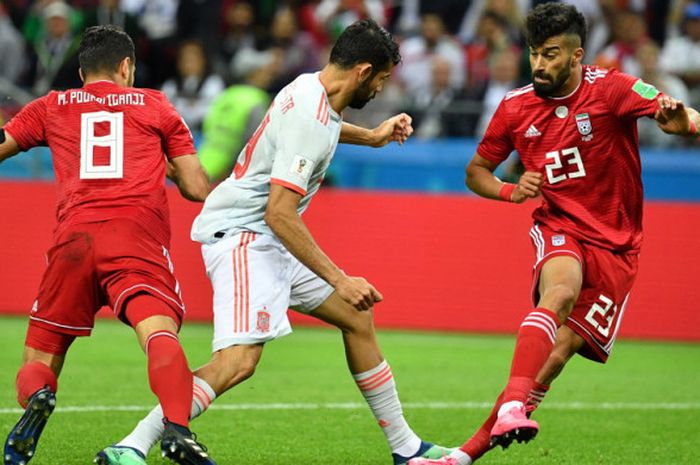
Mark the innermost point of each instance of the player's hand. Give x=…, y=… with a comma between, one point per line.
x=395, y=129
x=671, y=116
x=358, y=292
x=529, y=186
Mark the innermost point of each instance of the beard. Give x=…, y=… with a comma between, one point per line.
x=362, y=95
x=552, y=87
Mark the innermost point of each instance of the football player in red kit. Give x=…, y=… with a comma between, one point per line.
x=112, y=145
x=575, y=129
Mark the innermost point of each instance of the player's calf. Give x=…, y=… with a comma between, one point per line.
x=22, y=441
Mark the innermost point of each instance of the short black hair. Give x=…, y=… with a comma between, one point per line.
x=552, y=19
x=102, y=48
x=365, y=41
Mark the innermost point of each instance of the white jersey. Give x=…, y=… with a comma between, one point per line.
x=292, y=147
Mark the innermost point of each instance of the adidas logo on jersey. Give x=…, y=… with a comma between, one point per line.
x=532, y=131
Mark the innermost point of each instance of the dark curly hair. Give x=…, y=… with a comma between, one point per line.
x=365, y=41
x=552, y=19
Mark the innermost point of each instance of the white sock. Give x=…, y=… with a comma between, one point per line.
x=203, y=396
x=509, y=405
x=150, y=429
x=461, y=457
x=378, y=387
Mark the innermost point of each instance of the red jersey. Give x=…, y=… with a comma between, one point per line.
x=587, y=148
x=109, y=145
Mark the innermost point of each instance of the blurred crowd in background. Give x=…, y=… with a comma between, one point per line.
x=220, y=61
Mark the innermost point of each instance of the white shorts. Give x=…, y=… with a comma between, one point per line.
x=255, y=280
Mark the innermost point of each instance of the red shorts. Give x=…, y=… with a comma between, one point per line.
x=607, y=282
x=105, y=263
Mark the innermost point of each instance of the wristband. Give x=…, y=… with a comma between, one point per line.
x=506, y=191
x=693, y=131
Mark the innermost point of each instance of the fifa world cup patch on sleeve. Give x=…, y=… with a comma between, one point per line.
x=301, y=167
x=645, y=90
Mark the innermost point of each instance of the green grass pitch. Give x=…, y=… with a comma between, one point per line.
x=302, y=408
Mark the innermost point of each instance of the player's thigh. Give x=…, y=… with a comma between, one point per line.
x=130, y=262
x=69, y=294
x=599, y=310
x=250, y=276
x=559, y=267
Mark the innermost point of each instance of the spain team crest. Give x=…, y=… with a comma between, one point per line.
x=583, y=122
x=263, y=321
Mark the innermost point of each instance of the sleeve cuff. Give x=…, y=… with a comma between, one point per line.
x=288, y=185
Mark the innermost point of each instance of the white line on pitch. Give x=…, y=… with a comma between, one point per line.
x=407, y=405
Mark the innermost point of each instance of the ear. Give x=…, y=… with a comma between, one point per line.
x=364, y=71
x=125, y=67
x=80, y=73
x=578, y=55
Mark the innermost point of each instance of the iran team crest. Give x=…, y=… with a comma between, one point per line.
x=263, y=321
x=558, y=240
x=583, y=122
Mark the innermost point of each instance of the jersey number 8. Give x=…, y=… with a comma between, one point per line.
x=111, y=126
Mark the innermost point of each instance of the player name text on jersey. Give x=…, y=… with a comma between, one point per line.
x=111, y=100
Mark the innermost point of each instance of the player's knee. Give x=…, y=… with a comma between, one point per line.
x=361, y=324
x=560, y=299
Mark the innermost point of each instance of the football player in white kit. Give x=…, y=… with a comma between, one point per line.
x=262, y=259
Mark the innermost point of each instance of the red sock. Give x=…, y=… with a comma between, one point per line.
x=532, y=348
x=480, y=443
x=32, y=377
x=169, y=376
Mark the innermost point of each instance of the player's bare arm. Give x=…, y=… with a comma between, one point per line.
x=8, y=146
x=673, y=117
x=398, y=129
x=481, y=180
x=189, y=176
x=282, y=217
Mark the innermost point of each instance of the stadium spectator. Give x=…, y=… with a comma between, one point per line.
x=199, y=20
x=238, y=34
x=577, y=124
x=34, y=24
x=630, y=32
x=195, y=87
x=432, y=115
x=649, y=134
x=491, y=38
x=418, y=52
x=54, y=60
x=158, y=20
x=111, y=243
x=12, y=54
x=110, y=12
x=262, y=259
x=512, y=11
x=297, y=49
x=335, y=15
x=681, y=55
x=504, y=76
